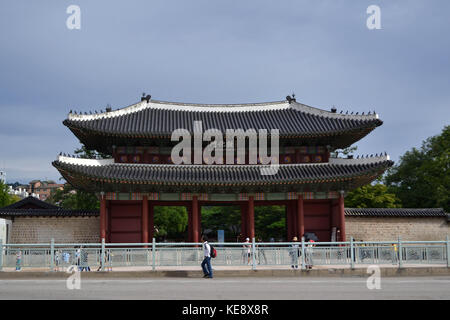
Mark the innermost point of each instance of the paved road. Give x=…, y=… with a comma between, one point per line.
x=230, y=288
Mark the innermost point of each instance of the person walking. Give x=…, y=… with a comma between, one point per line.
x=261, y=253
x=81, y=259
x=396, y=256
x=102, y=261
x=57, y=259
x=309, y=254
x=247, y=250
x=294, y=253
x=19, y=260
x=78, y=258
x=206, y=263
x=362, y=251
x=66, y=258
x=84, y=260
x=108, y=260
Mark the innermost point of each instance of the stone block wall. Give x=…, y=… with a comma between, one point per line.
x=390, y=228
x=62, y=229
x=87, y=229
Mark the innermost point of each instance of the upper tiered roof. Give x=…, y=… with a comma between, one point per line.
x=153, y=119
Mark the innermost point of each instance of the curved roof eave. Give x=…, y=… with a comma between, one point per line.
x=293, y=120
x=217, y=108
x=231, y=174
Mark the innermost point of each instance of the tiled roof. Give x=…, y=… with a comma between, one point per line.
x=396, y=212
x=31, y=206
x=30, y=201
x=159, y=118
x=160, y=176
x=4, y=212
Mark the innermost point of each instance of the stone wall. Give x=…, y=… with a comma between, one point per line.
x=390, y=228
x=87, y=229
x=62, y=229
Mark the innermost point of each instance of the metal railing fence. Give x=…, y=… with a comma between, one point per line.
x=105, y=256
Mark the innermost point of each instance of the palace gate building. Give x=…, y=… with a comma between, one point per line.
x=140, y=173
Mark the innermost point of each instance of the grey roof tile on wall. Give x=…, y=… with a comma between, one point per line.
x=41, y=209
x=4, y=212
x=31, y=201
x=396, y=212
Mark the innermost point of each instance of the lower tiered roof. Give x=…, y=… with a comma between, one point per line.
x=107, y=176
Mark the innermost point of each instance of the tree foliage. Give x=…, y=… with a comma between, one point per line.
x=345, y=152
x=170, y=222
x=5, y=198
x=90, y=154
x=372, y=196
x=227, y=218
x=421, y=179
x=270, y=221
x=71, y=198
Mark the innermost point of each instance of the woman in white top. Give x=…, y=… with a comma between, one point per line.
x=248, y=246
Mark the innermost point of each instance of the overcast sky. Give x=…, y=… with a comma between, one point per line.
x=218, y=52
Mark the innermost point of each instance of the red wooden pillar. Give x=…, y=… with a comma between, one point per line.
x=342, y=216
x=103, y=217
x=244, y=218
x=251, y=217
x=144, y=219
x=199, y=222
x=300, y=217
x=294, y=219
x=288, y=222
x=189, y=211
x=151, y=220
x=195, y=220
x=108, y=222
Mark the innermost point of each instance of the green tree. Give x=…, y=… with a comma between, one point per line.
x=71, y=198
x=422, y=177
x=90, y=154
x=270, y=222
x=14, y=198
x=372, y=196
x=170, y=222
x=5, y=197
x=345, y=152
x=227, y=218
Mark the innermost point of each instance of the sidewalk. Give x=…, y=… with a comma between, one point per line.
x=387, y=270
